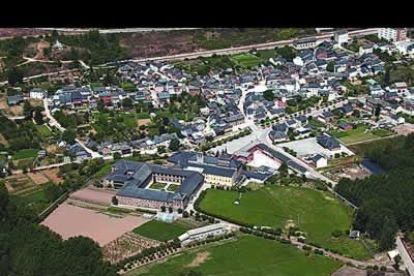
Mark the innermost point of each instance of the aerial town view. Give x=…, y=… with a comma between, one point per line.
x=207, y=152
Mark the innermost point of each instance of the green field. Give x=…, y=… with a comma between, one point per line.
x=44, y=131
x=106, y=169
x=246, y=257
x=318, y=212
x=35, y=200
x=161, y=231
x=157, y=186
x=359, y=134
x=26, y=153
x=173, y=187
x=246, y=60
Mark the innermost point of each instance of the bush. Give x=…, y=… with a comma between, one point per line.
x=337, y=233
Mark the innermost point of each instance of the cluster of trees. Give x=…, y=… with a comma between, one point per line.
x=97, y=48
x=385, y=201
x=19, y=136
x=27, y=248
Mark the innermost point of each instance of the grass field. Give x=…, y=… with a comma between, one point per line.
x=318, y=212
x=35, y=200
x=161, y=231
x=246, y=60
x=173, y=187
x=246, y=257
x=44, y=131
x=26, y=153
x=359, y=134
x=157, y=186
x=106, y=169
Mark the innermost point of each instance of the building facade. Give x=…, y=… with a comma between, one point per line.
x=392, y=34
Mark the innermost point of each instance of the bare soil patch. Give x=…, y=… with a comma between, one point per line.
x=38, y=177
x=200, y=258
x=3, y=140
x=143, y=122
x=71, y=221
x=52, y=175
x=93, y=195
x=405, y=129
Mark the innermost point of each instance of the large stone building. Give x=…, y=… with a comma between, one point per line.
x=133, y=179
x=219, y=171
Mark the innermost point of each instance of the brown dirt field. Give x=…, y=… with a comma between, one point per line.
x=405, y=129
x=52, y=175
x=16, y=110
x=142, y=122
x=3, y=104
x=51, y=148
x=3, y=140
x=71, y=221
x=94, y=195
x=36, y=102
x=199, y=259
x=40, y=46
x=38, y=177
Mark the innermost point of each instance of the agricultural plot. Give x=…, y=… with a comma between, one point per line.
x=316, y=213
x=247, y=60
x=25, y=154
x=360, y=134
x=245, y=257
x=161, y=231
x=44, y=131
x=126, y=245
x=35, y=199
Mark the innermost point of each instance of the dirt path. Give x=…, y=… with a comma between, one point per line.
x=200, y=258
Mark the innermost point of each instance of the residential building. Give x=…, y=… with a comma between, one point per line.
x=328, y=142
x=320, y=161
x=37, y=93
x=14, y=100
x=393, y=34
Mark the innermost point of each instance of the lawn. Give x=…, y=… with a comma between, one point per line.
x=35, y=200
x=106, y=169
x=173, y=187
x=247, y=60
x=246, y=257
x=25, y=153
x=157, y=186
x=161, y=231
x=359, y=134
x=44, y=131
x=318, y=212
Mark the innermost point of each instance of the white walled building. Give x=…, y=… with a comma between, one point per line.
x=37, y=93
x=203, y=233
x=391, y=34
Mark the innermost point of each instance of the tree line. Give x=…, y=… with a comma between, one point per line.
x=385, y=201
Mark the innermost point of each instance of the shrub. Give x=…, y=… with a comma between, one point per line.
x=337, y=233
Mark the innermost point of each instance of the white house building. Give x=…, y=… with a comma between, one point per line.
x=391, y=34
x=203, y=233
x=37, y=93
x=320, y=161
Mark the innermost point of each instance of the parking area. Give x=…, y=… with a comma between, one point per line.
x=310, y=146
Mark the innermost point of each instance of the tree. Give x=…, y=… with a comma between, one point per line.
x=27, y=109
x=127, y=103
x=174, y=144
x=38, y=115
x=170, y=209
x=286, y=52
x=14, y=76
x=377, y=110
x=117, y=156
x=69, y=136
x=114, y=200
x=269, y=95
x=330, y=67
x=163, y=209
x=283, y=170
x=161, y=149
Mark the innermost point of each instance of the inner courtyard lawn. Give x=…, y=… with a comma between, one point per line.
x=161, y=231
x=246, y=257
x=318, y=213
x=157, y=186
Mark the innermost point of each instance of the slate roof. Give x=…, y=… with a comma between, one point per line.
x=135, y=175
x=328, y=142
